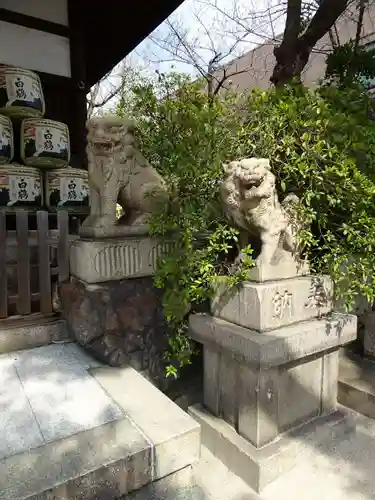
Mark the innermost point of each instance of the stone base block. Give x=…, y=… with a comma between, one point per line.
x=118, y=231
x=264, y=306
x=96, y=261
x=259, y=467
x=356, y=387
x=278, y=346
x=369, y=334
x=281, y=270
x=266, y=383
x=120, y=322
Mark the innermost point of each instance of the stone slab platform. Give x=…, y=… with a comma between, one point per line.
x=356, y=386
x=260, y=467
x=73, y=429
x=32, y=331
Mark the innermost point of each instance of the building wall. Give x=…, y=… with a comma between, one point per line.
x=33, y=48
x=257, y=65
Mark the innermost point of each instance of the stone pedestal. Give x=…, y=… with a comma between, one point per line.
x=111, y=305
x=113, y=259
x=369, y=335
x=270, y=366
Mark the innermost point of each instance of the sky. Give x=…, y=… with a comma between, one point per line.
x=208, y=27
x=212, y=23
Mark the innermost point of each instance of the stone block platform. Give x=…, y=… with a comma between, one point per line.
x=74, y=429
x=259, y=467
x=356, y=386
x=31, y=331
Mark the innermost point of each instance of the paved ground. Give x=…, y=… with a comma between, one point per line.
x=48, y=394
x=70, y=428
x=343, y=470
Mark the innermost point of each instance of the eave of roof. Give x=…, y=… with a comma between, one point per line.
x=112, y=32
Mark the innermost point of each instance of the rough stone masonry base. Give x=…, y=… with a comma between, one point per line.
x=118, y=322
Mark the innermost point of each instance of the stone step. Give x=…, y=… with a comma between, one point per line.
x=180, y=485
x=92, y=433
x=192, y=493
x=31, y=331
x=356, y=386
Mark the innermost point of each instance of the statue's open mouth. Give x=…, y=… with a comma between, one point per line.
x=103, y=146
x=255, y=181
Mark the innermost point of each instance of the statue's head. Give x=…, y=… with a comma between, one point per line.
x=250, y=171
x=109, y=134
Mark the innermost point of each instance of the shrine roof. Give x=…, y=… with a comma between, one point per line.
x=113, y=31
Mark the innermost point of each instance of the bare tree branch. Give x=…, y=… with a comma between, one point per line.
x=293, y=27
x=110, y=86
x=361, y=12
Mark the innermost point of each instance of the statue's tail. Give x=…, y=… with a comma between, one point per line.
x=290, y=200
x=291, y=207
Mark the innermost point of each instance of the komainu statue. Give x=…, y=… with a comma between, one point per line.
x=118, y=173
x=251, y=204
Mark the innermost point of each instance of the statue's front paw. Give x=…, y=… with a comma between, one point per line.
x=138, y=219
x=104, y=222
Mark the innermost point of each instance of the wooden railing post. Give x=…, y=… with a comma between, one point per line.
x=44, y=263
x=3, y=268
x=23, y=263
x=63, y=245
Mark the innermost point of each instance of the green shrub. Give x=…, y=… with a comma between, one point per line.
x=321, y=144
x=349, y=63
x=321, y=147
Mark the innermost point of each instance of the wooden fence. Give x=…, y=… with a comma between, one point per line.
x=31, y=263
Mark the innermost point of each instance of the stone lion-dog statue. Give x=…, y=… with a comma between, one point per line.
x=119, y=173
x=251, y=204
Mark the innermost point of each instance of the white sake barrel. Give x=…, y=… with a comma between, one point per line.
x=45, y=143
x=67, y=188
x=6, y=140
x=20, y=186
x=21, y=94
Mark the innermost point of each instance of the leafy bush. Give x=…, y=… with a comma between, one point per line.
x=186, y=137
x=320, y=144
x=350, y=63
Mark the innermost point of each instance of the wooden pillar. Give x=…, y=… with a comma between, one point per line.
x=76, y=17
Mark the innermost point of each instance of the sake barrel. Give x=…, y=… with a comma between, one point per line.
x=66, y=188
x=6, y=140
x=21, y=94
x=45, y=143
x=20, y=186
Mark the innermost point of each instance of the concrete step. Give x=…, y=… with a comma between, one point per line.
x=217, y=482
x=34, y=330
x=356, y=386
x=72, y=429
x=180, y=485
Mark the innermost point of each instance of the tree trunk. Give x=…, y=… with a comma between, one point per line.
x=294, y=52
x=290, y=62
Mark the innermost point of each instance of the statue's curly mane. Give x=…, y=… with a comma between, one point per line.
x=118, y=172
x=251, y=203
x=120, y=132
